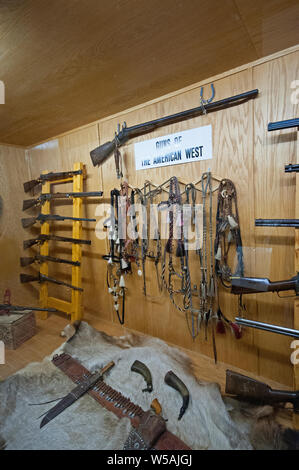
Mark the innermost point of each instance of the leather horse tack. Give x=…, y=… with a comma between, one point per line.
x=122, y=407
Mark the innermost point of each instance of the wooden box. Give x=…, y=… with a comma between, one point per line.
x=16, y=328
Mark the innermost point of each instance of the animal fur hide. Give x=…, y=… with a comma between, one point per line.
x=207, y=424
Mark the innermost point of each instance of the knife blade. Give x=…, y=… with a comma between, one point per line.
x=75, y=394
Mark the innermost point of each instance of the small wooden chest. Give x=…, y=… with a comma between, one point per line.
x=16, y=328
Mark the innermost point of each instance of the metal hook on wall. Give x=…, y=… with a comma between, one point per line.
x=203, y=101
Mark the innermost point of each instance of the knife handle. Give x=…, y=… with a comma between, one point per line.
x=107, y=367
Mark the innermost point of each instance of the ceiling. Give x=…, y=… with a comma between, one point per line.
x=66, y=63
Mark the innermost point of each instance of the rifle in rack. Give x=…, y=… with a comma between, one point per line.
x=7, y=308
x=27, y=261
x=277, y=223
x=48, y=197
x=254, y=285
x=42, y=238
x=24, y=278
x=281, y=330
x=287, y=124
x=102, y=152
x=29, y=185
x=30, y=221
x=291, y=168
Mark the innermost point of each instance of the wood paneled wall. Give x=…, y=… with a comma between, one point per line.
x=14, y=170
x=243, y=151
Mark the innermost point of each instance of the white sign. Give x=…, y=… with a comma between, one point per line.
x=188, y=146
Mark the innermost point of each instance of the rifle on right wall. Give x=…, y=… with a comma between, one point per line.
x=291, y=168
x=255, y=285
x=257, y=392
x=277, y=223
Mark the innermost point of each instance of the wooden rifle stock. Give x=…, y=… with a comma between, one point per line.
x=258, y=392
x=28, y=222
x=252, y=285
x=29, y=203
x=31, y=242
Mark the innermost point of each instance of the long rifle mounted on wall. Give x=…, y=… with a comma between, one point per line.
x=255, y=285
x=99, y=155
x=280, y=330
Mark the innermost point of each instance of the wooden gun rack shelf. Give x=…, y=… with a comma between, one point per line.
x=73, y=308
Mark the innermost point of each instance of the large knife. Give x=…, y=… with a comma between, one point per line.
x=76, y=393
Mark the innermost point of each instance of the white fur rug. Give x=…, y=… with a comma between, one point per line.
x=86, y=425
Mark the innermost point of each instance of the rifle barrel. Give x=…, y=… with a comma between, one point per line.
x=24, y=278
x=60, y=175
x=268, y=327
x=21, y=308
x=291, y=168
x=287, y=124
x=277, y=223
x=189, y=113
x=44, y=278
x=43, y=258
x=28, y=203
x=44, y=217
x=47, y=196
x=57, y=238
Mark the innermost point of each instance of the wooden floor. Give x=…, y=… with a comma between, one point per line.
x=48, y=339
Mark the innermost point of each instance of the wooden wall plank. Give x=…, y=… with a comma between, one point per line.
x=14, y=170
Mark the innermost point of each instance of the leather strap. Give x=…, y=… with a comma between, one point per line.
x=150, y=428
x=114, y=401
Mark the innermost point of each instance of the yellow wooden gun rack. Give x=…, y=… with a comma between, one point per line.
x=73, y=308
